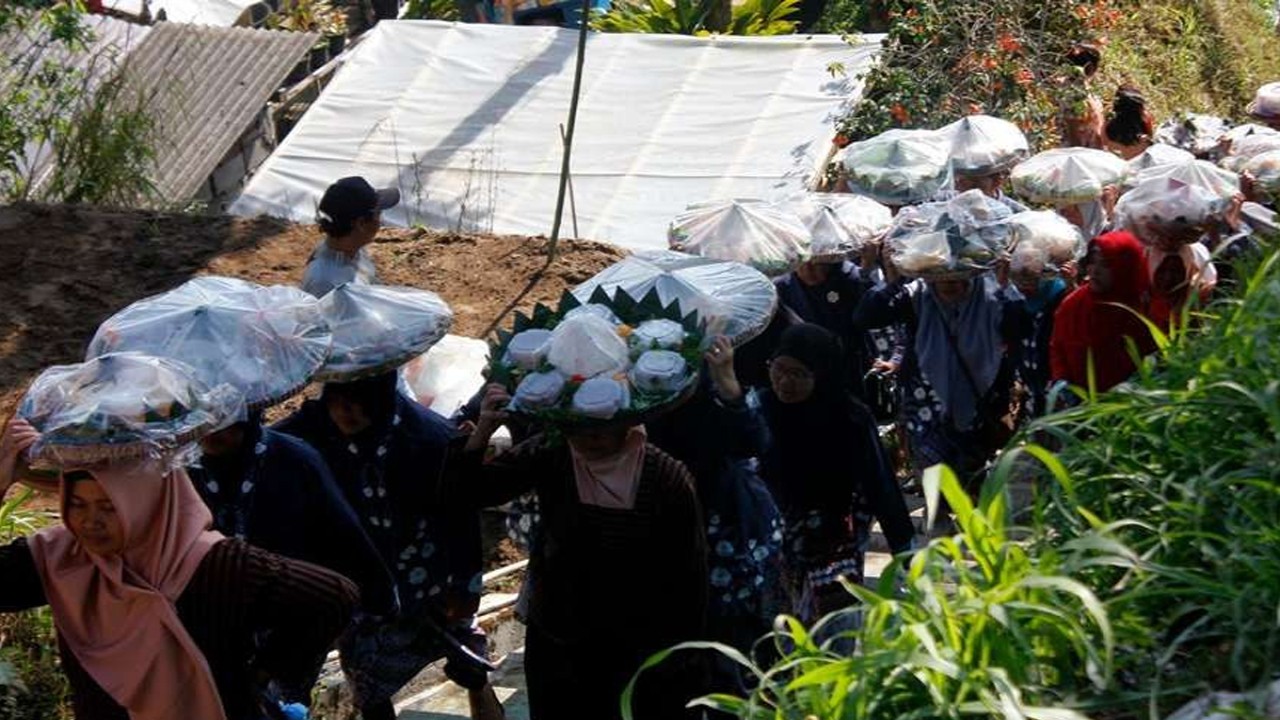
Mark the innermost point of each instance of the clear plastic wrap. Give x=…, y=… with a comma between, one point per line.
x=445, y=377
x=1241, y=132
x=378, y=328
x=1163, y=207
x=265, y=341
x=983, y=145
x=961, y=237
x=1203, y=174
x=586, y=346
x=754, y=232
x=1200, y=135
x=733, y=299
x=597, y=372
x=899, y=167
x=1046, y=235
x=1067, y=176
x=1265, y=169
x=1157, y=155
x=839, y=223
x=123, y=405
x=1266, y=102
x=1248, y=148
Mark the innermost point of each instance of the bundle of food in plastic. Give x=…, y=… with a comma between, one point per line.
x=265, y=341
x=1266, y=102
x=732, y=299
x=1164, y=208
x=1248, y=130
x=1044, y=235
x=1067, y=176
x=961, y=237
x=378, y=328
x=615, y=359
x=838, y=223
x=1265, y=171
x=1247, y=149
x=1203, y=174
x=983, y=145
x=754, y=232
x=121, y=406
x=1200, y=135
x=899, y=167
x=1157, y=155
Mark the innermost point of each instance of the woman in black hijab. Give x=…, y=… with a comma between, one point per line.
x=827, y=470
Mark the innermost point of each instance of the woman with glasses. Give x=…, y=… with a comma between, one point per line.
x=827, y=470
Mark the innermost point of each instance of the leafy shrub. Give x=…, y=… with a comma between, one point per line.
x=944, y=59
x=690, y=17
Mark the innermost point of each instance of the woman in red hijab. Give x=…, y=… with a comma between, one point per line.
x=1098, y=318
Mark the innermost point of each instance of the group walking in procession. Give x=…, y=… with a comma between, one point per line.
x=692, y=443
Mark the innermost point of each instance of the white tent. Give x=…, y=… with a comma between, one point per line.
x=465, y=119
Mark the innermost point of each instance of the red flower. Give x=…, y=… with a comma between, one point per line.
x=975, y=109
x=1008, y=43
x=900, y=114
x=579, y=379
x=840, y=140
x=989, y=63
x=1024, y=77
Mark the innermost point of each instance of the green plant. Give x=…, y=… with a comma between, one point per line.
x=309, y=16
x=431, y=10
x=970, y=625
x=32, y=686
x=690, y=17
x=1184, y=464
x=943, y=59
x=69, y=132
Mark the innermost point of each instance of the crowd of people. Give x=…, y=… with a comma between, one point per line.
x=211, y=585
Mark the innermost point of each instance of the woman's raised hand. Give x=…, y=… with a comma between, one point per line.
x=719, y=357
x=18, y=436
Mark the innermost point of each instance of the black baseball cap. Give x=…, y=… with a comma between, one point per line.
x=354, y=197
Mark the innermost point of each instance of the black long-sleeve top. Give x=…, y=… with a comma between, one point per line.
x=294, y=509
x=237, y=592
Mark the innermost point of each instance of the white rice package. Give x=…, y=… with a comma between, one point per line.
x=1265, y=170
x=899, y=167
x=529, y=349
x=660, y=371
x=983, y=145
x=601, y=398
x=657, y=335
x=1067, y=176
x=538, y=391
x=1048, y=234
x=585, y=346
x=1200, y=135
x=753, y=232
x=1163, y=207
x=1203, y=174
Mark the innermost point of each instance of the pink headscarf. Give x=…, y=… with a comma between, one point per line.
x=612, y=482
x=116, y=613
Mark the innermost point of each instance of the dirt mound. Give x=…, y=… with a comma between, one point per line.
x=69, y=268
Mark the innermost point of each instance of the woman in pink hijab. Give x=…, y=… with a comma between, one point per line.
x=156, y=614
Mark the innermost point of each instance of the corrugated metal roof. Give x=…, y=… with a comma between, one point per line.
x=204, y=86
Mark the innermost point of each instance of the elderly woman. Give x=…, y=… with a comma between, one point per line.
x=158, y=615
x=620, y=568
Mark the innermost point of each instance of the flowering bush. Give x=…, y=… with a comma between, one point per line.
x=943, y=59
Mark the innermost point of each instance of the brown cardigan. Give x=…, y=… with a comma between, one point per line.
x=634, y=580
x=237, y=591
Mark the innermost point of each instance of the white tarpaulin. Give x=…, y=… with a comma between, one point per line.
x=465, y=119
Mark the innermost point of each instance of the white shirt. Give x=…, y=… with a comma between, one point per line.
x=329, y=268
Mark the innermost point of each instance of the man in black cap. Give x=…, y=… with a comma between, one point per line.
x=350, y=214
